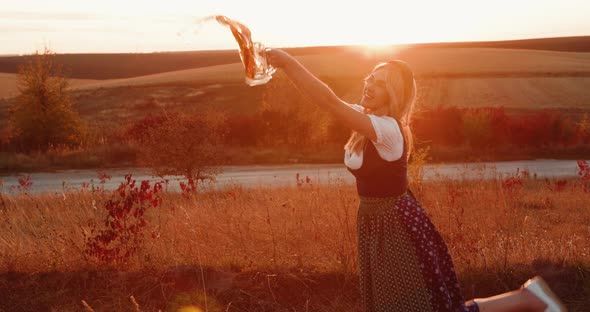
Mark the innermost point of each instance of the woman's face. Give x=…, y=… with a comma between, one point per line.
x=375, y=93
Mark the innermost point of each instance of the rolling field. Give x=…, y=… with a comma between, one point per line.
x=514, y=79
x=516, y=93
x=518, y=78
x=127, y=65
x=464, y=77
x=432, y=62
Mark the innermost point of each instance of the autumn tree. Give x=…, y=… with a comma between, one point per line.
x=42, y=116
x=178, y=144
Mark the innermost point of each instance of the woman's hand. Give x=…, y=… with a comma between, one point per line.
x=277, y=58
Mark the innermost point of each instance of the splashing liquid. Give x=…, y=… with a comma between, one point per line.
x=252, y=54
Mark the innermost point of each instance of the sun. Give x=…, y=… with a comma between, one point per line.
x=380, y=51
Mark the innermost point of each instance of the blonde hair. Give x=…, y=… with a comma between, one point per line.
x=401, y=88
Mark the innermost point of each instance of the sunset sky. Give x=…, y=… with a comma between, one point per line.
x=72, y=26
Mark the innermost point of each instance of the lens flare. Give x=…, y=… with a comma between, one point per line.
x=190, y=308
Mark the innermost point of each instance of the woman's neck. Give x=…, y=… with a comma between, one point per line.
x=381, y=111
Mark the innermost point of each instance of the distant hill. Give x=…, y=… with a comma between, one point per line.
x=126, y=65
x=565, y=44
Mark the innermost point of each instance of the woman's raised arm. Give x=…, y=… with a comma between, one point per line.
x=319, y=93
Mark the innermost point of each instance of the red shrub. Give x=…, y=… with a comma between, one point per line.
x=123, y=233
x=25, y=183
x=543, y=128
x=515, y=183
x=584, y=170
x=556, y=185
x=477, y=127
x=440, y=126
x=499, y=122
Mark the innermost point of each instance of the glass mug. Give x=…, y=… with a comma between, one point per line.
x=252, y=54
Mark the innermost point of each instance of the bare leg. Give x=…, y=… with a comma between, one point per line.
x=517, y=300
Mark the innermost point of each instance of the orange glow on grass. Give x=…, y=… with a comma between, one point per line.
x=190, y=308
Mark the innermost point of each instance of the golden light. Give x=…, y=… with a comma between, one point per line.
x=73, y=26
x=380, y=52
x=190, y=308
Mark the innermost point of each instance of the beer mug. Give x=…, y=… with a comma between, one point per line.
x=259, y=72
x=252, y=54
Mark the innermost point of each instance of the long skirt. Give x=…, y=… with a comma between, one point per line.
x=404, y=263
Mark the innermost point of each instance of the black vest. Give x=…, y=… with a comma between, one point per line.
x=380, y=178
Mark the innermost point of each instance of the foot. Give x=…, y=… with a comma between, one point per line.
x=539, y=288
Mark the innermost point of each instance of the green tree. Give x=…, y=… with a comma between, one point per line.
x=42, y=115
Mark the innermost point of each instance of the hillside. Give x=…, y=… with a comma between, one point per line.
x=521, y=81
x=126, y=65
x=462, y=76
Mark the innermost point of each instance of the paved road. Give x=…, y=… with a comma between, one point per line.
x=279, y=175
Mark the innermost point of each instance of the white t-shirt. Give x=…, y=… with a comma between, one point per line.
x=389, y=143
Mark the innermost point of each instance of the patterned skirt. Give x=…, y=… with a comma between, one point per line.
x=404, y=263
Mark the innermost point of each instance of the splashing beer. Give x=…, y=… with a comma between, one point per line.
x=252, y=54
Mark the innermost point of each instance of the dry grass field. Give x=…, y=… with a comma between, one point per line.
x=516, y=93
x=283, y=249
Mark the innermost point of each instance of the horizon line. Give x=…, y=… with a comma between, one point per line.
x=321, y=46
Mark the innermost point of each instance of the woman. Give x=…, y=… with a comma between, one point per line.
x=404, y=263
